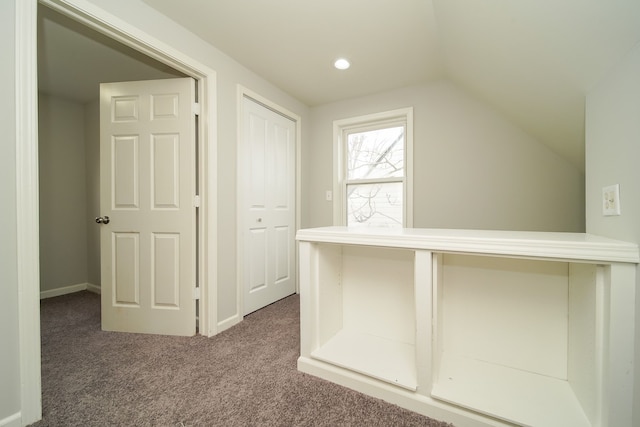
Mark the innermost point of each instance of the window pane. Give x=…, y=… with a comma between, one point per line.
x=376, y=154
x=374, y=205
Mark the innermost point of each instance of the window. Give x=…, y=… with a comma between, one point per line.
x=372, y=161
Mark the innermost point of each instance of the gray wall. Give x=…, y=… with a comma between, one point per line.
x=63, y=193
x=228, y=75
x=613, y=157
x=9, y=348
x=472, y=167
x=69, y=167
x=92, y=162
x=444, y=112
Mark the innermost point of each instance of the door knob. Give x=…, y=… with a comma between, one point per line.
x=102, y=219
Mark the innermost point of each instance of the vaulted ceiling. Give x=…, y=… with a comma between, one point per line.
x=532, y=60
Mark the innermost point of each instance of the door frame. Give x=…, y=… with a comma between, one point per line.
x=242, y=93
x=27, y=191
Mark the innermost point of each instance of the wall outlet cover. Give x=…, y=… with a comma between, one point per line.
x=611, y=200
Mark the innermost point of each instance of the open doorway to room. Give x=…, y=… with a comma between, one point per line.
x=27, y=172
x=72, y=61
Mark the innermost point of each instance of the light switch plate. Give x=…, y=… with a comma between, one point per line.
x=611, y=200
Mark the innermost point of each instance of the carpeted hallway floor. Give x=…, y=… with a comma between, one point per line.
x=245, y=376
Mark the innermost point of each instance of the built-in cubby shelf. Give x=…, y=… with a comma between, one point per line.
x=473, y=327
x=367, y=319
x=510, y=394
x=381, y=358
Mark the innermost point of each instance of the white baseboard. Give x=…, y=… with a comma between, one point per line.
x=229, y=322
x=14, y=420
x=96, y=289
x=69, y=290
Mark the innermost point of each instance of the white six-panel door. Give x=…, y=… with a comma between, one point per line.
x=268, y=169
x=147, y=189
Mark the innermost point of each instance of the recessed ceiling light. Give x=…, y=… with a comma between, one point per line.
x=341, y=64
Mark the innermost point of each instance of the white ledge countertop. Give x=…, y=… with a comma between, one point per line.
x=553, y=245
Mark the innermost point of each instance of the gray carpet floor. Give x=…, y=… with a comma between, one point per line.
x=245, y=376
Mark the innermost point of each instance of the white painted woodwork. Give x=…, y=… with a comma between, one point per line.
x=268, y=173
x=586, y=337
x=478, y=328
x=510, y=394
x=26, y=385
x=380, y=281
x=483, y=319
x=371, y=355
x=147, y=188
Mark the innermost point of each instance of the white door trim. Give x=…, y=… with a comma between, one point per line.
x=243, y=92
x=27, y=174
x=27, y=203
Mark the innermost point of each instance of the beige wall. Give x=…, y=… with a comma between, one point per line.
x=472, y=168
x=63, y=194
x=613, y=157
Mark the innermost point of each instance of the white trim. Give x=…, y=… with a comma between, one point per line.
x=27, y=227
x=208, y=205
x=532, y=244
x=405, y=114
x=96, y=289
x=64, y=290
x=92, y=16
x=338, y=167
x=225, y=324
x=238, y=316
x=415, y=402
x=12, y=420
x=243, y=92
x=408, y=170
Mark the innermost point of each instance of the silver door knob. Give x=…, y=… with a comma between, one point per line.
x=102, y=219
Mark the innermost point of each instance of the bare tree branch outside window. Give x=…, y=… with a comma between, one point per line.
x=376, y=155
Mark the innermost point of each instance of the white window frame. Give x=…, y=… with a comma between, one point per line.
x=369, y=122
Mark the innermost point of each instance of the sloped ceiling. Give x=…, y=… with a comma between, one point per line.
x=536, y=60
x=533, y=60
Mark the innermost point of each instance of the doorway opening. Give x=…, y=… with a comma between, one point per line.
x=27, y=203
x=72, y=62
